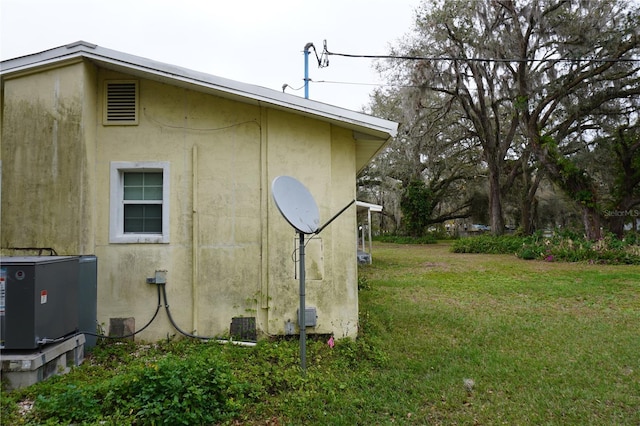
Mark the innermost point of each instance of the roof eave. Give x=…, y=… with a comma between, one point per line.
x=372, y=126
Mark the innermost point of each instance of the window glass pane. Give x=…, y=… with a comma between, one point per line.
x=133, y=193
x=133, y=210
x=133, y=186
x=143, y=185
x=153, y=211
x=132, y=178
x=153, y=218
x=153, y=179
x=132, y=225
x=153, y=193
x=143, y=218
x=153, y=225
x=153, y=186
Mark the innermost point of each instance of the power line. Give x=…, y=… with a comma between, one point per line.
x=459, y=58
x=350, y=83
x=323, y=62
x=355, y=83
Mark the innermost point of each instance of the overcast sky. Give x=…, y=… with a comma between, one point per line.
x=253, y=41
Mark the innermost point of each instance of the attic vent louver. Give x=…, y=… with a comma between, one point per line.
x=121, y=106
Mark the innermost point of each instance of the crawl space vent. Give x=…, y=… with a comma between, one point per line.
x=243, y=328
x=121, y=102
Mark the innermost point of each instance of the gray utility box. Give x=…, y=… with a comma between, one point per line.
x=38, y=300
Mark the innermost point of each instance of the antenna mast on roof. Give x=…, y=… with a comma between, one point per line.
x=323, y=62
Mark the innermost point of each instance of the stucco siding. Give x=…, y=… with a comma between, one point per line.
x=43, y=183
x=305, y=150
x=217, y=142
x=344, y=316
x=228, y=252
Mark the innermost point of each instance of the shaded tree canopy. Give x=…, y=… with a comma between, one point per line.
x=519, y=88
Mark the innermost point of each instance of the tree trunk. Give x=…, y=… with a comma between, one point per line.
x=495, y=201
x=622, y=213
x=616, y=225
x=591, y=221
x=528, y=203
x=527, y=210
x=573, y=181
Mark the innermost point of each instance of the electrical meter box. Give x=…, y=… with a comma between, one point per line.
x=38, y=300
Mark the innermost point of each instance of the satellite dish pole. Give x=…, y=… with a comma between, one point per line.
x=302, y=317
x=298, y=207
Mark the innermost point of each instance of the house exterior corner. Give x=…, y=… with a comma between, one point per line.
x=182, y=185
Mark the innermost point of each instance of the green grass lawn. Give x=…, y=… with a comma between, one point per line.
x=446, y=339
x=544, y=343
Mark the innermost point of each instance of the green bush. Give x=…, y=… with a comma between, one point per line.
x=489, y=244
x=527, y=253
x=352, y=352
x=196, y=389
x=72, y=404
x=564, y=246
x=403, y=239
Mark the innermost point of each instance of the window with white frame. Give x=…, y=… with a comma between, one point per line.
x=139, y=211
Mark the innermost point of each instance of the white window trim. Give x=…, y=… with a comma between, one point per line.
x=116, y=207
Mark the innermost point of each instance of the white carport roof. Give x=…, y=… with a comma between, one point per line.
x=366, y=240
x=371, y=133
x=369, y=206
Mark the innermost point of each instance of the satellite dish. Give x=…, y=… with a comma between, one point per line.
x=296, y=204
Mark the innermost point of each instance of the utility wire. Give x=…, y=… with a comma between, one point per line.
x=284, y=86
x=355, y=83
x=456, y=58
x=104, y=336
x=323, y=61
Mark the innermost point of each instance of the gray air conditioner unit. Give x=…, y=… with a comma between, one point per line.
x=38, y=300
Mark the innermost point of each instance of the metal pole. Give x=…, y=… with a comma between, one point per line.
x=334, y=217
x=369, y=230
x=306, y=69
x=301, y=313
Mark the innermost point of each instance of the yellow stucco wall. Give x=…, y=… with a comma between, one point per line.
x=48, y=165
x=230, y=252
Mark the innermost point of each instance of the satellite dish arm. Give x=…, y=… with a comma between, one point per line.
x=335, y=216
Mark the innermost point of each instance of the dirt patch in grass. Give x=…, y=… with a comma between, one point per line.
x=436, y=265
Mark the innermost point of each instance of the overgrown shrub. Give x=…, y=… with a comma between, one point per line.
x=196, y=389
x=73, y=404
x=403, y=239
x=489, y=244
x=565, y=246
x=354, y=351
